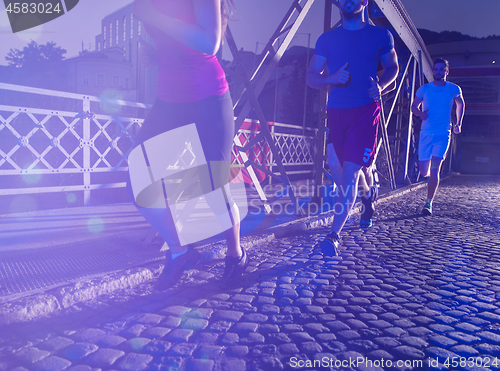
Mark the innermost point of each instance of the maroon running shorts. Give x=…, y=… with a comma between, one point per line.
x=353, y=132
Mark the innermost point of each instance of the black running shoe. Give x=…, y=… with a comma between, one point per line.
x=374, y=194
x=427, y=210
x=365, y=223
x=368, y=211
x=330, y=245
x=368, y=208
x=235, y=266
x=173, y=269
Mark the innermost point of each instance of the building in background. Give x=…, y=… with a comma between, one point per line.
x=112, y=69
x=120, y=30
x=475, y=67
x=105, y=73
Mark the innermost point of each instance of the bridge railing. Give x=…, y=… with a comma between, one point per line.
x=52, y=141
x=50, y=149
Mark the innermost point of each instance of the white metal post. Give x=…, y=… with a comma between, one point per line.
x=410, y=120
x=86, y=151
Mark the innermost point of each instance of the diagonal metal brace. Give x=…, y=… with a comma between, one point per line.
x=272, y=55
x=263, y=122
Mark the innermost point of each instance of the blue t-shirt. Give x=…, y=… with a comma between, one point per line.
x=362, y=49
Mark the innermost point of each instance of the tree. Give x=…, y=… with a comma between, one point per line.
x=36, y=56
x=293, y=98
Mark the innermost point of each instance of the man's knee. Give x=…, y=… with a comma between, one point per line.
x=424, y=167
x=351, y=169
x=434, y=173
x=335, y=167
x=435, y=165
x=332, y=155
x=350, y=174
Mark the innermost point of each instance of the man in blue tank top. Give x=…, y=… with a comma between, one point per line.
x=352, y=54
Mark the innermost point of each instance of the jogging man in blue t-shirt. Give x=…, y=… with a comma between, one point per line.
x=437, y=100
x=352, y=53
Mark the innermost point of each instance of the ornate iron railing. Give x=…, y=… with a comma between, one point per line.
x=38, y=145
x=85, y=147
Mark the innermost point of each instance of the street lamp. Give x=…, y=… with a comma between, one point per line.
x=276, y=85
x=305, y=81
x=255, y=54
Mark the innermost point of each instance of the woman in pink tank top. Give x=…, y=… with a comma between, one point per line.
x=192, y=89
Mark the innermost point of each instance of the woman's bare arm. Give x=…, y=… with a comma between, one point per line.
x=204, y=36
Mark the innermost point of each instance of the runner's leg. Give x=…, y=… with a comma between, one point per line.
x=432, y=186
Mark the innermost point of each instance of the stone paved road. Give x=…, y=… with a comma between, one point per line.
x=409, y=291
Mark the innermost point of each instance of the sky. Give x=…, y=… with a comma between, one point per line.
x=254, y=23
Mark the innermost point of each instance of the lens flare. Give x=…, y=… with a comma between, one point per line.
x=4, y=20
x=30, y=34
x=23, y=204
x=32, y=178
x=71, y=198
x=108, y=107
x=95, y=225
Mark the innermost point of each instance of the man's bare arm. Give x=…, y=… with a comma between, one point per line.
x=415, y=108
x=317, y=79
x=460, y=114
x=390, y=66
x=205, y=35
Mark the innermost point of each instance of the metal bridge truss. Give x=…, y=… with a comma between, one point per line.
x=414, y=67
x=254, y=85
x=44, y=150
x=396, y=106
x=94, y=149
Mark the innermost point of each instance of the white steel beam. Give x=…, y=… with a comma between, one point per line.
x=396, y=14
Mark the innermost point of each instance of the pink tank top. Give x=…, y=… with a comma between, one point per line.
x=184, y=74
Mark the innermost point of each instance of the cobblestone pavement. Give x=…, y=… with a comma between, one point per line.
x=411, y=293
